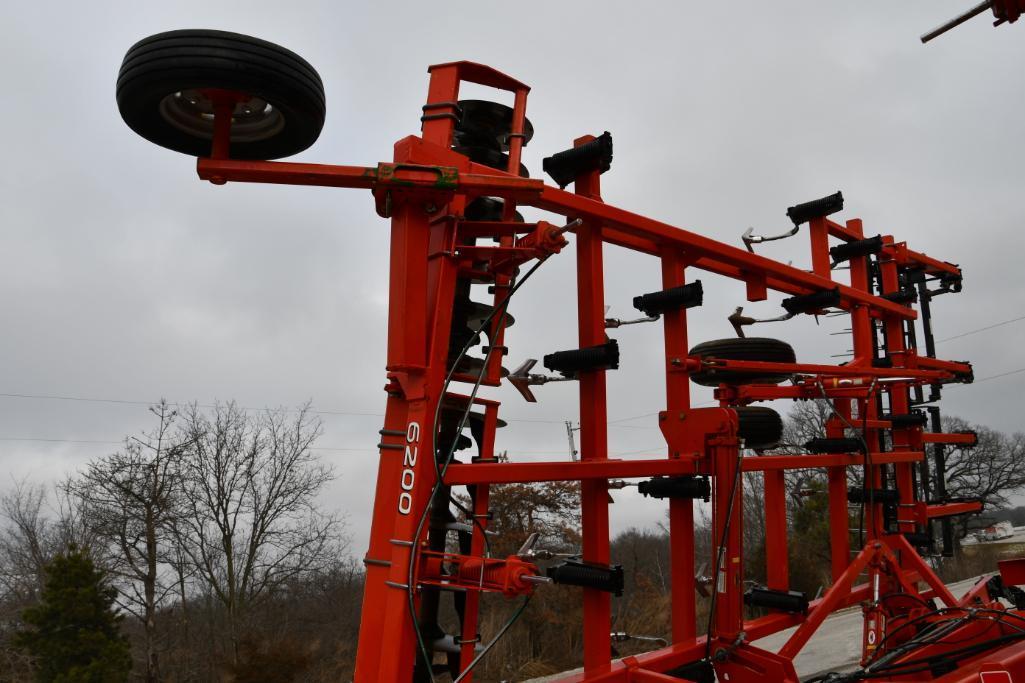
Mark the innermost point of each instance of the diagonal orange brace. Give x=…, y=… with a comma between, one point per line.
x=912, y=560
x=830, y=601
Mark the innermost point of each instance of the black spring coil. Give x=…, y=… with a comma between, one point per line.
x=912, y=419
x=564, y=167
x=802, y=213
x=841, y=445
x=598, y=577
x=657, y=303
x=849, y=250
x=685, y=487
x=815, y=301
x=569, y=363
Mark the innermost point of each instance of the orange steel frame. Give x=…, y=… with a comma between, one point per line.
x=424, y=191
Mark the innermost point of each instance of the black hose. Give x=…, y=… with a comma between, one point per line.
x=440, y=470
x=720, y=550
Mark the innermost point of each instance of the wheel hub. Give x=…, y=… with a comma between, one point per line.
x=192, y=112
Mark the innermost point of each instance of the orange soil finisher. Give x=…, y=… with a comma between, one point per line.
x=450, y=195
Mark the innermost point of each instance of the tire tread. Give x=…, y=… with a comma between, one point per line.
x=760, y=427
x=744, y=348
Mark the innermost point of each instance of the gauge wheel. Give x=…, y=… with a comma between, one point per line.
x=167, y=82
x=760, y=427
x=748, y=348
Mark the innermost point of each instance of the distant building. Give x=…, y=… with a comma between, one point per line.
x=996, y=532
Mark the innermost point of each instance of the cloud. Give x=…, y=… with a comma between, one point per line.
x=123, y=276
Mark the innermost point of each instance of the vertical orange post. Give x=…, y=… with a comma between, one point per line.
x=820, y=263
x=224, y=107
x=504, y=282
x=839, y=539
x=729, y=581
x=516, y=136
x=387, y=642
x=839, y=522
x=481, y=495
x=440, y=110
x=899, y=398
x=863, y=342
x=776, y=558
x=594, y=493
x=406, y=475
x=681, y=512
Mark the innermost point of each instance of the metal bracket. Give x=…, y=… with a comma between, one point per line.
x=739, y=320
x=750, y=238
x=722, y=654
x=613, y=323
x=464, y=528
x=527, y=551
x=522, y=379
x=623, y=636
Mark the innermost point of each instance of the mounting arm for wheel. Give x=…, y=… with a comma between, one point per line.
x=383, y=177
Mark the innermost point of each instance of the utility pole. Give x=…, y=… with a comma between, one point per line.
x=573, y=452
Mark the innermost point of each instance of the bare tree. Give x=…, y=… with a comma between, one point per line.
x=752, y=502
x=805, y=421
x=991, y=471
x=36, y=526
x=549, y=508
x=249, y=521
x=130, y=501
x=24, y=541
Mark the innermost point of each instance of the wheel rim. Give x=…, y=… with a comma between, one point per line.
x=192, y=112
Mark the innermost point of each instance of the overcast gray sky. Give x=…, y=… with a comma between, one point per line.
x=125, y=278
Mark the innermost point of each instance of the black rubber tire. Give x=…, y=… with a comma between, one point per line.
x=158, y=67
x=760, y=427
x=750, y=348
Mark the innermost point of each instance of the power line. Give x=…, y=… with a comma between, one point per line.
x=345, y=413
x=120, y=401
x=119, y=443
x=1002, y=374
x=16, y=438
x=367, y=449
x=630, y=419
x=638, y=417
x=76, y=398
x=983, y=329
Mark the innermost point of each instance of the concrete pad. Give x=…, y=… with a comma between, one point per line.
x=836, y=646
